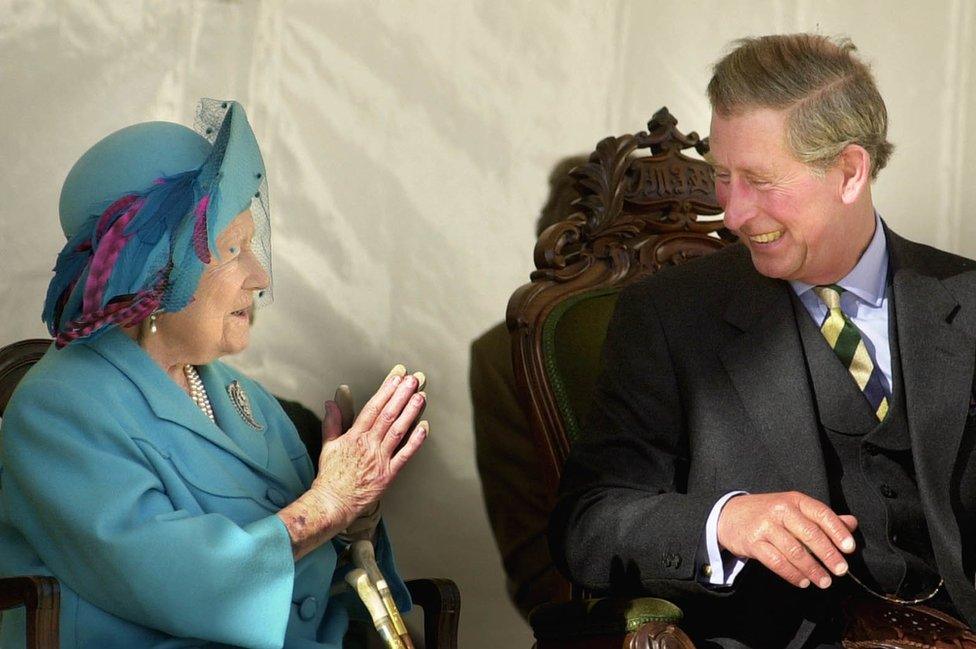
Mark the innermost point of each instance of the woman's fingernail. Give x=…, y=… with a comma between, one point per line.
x=804, y=583
x=425, y=426
x=421, y=379
x=398, y=370
x=840, y=568
x=824, y=582
x=847, y=545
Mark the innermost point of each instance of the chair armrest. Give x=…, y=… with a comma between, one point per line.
x=640, y=623
x=441, y=601
x=41, y=597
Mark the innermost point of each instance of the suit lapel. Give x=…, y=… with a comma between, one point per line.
x=766, y=366
x=251, y=440
x=935, y=335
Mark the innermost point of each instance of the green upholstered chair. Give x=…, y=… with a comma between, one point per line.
x=637, y=213
x=439, y=598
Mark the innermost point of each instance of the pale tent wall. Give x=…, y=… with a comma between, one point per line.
x=408, y=147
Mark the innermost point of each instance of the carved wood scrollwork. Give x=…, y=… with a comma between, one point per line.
x=629, y=205
x=644, y=204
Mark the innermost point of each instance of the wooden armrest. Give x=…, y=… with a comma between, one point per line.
x=441, y=601
x=41, y=597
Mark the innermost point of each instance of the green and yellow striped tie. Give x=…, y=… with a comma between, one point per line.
x=845, y=339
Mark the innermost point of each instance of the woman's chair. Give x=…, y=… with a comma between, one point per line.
x=637, y=213
x=439, y=598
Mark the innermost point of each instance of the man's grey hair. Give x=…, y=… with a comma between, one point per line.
x=829, y=93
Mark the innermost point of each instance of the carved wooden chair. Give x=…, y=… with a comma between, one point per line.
x=638, y=212
x=439, y=599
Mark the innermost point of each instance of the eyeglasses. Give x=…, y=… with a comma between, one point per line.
x=894, y=599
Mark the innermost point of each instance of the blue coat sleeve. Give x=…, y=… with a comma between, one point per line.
x=83, y=494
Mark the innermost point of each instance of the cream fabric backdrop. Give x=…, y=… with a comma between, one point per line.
x=408, y=147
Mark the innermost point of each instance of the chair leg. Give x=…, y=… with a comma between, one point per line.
x=41, y=597
x=441, y=602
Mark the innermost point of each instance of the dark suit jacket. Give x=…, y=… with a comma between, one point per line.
x=705, y=391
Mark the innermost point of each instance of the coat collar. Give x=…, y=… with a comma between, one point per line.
x=169, y=402
x=935, y=319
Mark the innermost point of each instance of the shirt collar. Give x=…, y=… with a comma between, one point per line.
x=868, y=277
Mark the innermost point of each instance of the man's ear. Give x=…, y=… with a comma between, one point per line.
x=854, y=164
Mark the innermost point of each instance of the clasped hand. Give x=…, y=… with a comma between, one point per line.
x=357, y=465
x=792, y=534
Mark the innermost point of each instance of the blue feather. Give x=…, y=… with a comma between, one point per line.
x=166, y=205
x=67, y=268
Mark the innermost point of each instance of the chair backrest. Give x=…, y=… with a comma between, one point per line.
x=15, y=359
x=638, y=212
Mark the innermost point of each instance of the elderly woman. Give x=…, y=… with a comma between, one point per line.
x=167, y=492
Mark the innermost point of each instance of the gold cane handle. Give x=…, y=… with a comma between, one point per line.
x=359, y=580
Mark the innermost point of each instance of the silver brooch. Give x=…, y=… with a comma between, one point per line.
x=243, y=405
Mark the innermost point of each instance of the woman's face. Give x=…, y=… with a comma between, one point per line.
x=216, y=322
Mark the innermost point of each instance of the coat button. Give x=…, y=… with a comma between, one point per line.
x=276, y=497
x=308, y=608
x=706, y=570
x=887, y=491
x=672, y=560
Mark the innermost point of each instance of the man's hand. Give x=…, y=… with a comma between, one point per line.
x=790, y=533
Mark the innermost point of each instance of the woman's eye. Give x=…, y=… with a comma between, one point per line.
x=233, y=250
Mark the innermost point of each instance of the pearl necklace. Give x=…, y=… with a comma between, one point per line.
x=197, y=392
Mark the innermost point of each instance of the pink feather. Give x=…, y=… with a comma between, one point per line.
x=109, y=248
x=124, y=312
x=113, y=210
x=201, y=244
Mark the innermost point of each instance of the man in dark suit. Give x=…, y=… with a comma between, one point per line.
x=789, y=422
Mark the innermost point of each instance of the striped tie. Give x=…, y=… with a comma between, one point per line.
x=844, y=338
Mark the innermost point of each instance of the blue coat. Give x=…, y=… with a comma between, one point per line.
x=161, y=526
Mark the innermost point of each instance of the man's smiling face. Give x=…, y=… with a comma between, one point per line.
x=791, y=218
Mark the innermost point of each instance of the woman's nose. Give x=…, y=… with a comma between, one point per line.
x=257, y=277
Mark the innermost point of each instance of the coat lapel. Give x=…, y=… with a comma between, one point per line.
x=231, y=421
x=766, y=366
x=938, y=348
x=164, y=397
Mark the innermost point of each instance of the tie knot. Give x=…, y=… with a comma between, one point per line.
x=829, y=295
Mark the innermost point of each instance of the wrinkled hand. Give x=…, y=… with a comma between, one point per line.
x=357, y=464
x=790, y=533
x=364, y=526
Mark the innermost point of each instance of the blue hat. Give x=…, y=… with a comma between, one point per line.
x=142, y=209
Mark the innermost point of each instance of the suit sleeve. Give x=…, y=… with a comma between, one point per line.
x=86, y=498
x=624, y=521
